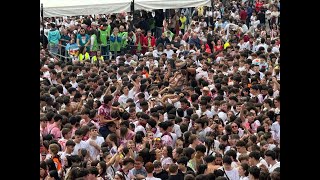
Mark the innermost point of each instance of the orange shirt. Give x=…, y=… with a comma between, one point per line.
x=57, y=162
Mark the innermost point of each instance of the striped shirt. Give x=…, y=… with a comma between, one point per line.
x=106, y=112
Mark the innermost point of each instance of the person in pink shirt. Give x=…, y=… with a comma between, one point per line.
x=66, y=135
x=104, y=112
x=125, y=134
x=74, y=124
x=50, y=119
x=86, y=119
x=55, y=130
x=43, y=126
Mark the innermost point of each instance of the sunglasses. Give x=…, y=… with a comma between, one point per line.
x=157, y=139
x=234, y=126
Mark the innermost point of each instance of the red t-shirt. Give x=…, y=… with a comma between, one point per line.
x=243, y=15
x=259, y=5
x=218, y=48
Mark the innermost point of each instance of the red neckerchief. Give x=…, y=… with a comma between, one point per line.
x=85, y=138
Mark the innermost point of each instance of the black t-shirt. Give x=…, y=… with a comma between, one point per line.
x=162, y=175
x=189, y=169
x=178, y=176
x=159, y=17
x=262, y=17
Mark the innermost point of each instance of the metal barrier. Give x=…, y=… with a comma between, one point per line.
x=66, y=56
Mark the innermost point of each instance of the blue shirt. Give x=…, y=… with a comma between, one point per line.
x=196, y=42
x=141, y=171
x=65, y=37
x=54, y=36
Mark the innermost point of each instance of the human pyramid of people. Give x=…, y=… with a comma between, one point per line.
x=184, y=94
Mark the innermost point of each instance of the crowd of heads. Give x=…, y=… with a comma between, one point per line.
x=185, y=94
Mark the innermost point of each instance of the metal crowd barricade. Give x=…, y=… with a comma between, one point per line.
x=129, y=49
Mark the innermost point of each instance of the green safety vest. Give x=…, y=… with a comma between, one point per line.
x=84, y=57
x=123, y=36
x=94, y=58
x=104, y=34
x=115, y=46
x=95, y=43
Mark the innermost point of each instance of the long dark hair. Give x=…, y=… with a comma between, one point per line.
x=201, y=169
x=51, y=165
x=179, y=151
x=188, y=152
x=209, y=141
x=169, y=149
x=138, y=137
x=123, y=132
x=54, y=174
x=103, y=166
x=113, y=137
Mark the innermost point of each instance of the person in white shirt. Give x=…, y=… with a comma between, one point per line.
x=168, y=51
x=141, y=124
x=197, y=27
x=275, y=127
x=268, y=16
x=270, y=157
x=242, y=45
x=254, y=159
x=67, y=152
x=216, y=14
x=209, y=15
x=201, y=73
x=233, y=154
x=158, y=51
x=262, y=44
x=94, y=143
x=73, y=78
x=274, y=15
x=222, y=111
x=127, y=165
x=203, y=110
x=80, y=144
x=275, y=48
x=129, y=59
x=126, y=95
x=244, y=27
x=232, y=173
x=241, y=148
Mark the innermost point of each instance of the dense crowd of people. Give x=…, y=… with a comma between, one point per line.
x=183, y=94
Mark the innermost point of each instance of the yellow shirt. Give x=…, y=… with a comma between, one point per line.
x=226, y=45
x=183, y=22
x=200, y=11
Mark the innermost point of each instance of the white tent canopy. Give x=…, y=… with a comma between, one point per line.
x=169, y=4
x=56, y=8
